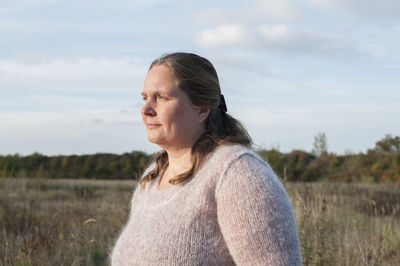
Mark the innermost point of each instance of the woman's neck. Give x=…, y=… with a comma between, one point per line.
x=179, y=163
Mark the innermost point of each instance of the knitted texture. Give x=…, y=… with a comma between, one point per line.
x=233, y=211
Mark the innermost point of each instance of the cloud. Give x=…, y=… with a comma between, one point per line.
x=72, y=137
x=277, y=38
x=275, y=32
x=16, y=6
x=325, y=28
x=383, y=10
x=292, y=41
x=224, y=35
x=40, y=90
x=255, y=11
x=31, y=58
x=36, y=70
x=278, y=9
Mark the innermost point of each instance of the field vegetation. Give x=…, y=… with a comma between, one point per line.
x=76, y=222
x=50, y=217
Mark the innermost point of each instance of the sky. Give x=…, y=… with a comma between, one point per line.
x=72, y=72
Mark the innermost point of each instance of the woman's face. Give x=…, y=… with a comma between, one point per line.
x=170, y=118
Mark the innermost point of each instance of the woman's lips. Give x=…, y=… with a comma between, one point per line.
x=153, y=125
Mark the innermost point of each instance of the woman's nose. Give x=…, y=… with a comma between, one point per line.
x=148, y=109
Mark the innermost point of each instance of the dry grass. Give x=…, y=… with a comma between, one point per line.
x=348, y=224
x=60, y=222
x=75, y=222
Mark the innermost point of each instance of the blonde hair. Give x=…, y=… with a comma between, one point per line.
x=197, y=77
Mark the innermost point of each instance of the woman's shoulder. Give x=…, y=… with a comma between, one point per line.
x=225, y=157
x=230, y=151
x=227, y=154
x=243, y=163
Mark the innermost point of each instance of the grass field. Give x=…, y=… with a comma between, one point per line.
x=75, y=222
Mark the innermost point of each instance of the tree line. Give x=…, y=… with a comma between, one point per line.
x=96, y=166
x=380, y=164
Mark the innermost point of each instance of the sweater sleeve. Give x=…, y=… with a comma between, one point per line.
x=255, y=215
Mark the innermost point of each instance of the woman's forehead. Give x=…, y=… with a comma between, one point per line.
x=160, y=74
x=160, y=79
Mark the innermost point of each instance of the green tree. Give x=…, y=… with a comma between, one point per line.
x=40, y=172
x=102, y=171
x=388, y=144
x=320, y=144
x=88, y=167
x=64, y=163
x=127, y=167
x=397, y=160
x=334, y=162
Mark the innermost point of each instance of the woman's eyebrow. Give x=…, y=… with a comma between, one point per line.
x=156, y=91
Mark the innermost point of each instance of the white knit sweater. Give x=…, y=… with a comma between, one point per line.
x=233, y=211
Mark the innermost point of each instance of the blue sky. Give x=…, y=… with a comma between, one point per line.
x=71, y=72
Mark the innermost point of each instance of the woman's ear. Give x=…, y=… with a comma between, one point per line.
x=203, y=113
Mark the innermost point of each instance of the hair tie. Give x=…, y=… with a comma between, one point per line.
x=222, y=104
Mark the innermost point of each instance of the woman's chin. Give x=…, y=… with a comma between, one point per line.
x=154, y=140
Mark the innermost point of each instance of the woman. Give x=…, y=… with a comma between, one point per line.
x=208, y=199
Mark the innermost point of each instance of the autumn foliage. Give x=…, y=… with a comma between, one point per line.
x=380, y=164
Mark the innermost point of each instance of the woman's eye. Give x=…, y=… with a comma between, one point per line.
x=161, y=97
